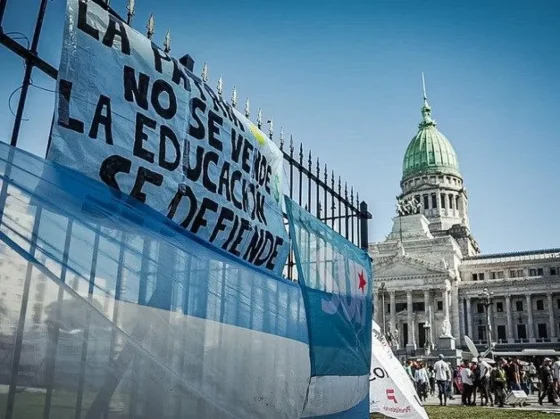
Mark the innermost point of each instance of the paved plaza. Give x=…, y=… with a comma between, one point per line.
x=533, y=404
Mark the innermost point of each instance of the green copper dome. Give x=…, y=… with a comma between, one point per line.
x=430, y=151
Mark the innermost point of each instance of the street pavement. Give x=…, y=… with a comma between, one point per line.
x=532, y=400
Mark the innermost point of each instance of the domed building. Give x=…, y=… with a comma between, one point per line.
x=430, y=274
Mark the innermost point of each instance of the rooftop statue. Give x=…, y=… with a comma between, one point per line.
x=408, y=206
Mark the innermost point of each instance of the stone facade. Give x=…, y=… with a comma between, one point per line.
x=429, y=272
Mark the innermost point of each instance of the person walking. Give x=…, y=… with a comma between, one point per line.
x=421, y=379
x=546, y=376
x=556, y=376
x=484, y=370
x=498, y=381
x=443, y=375
x=466, y=379
x=432, y=377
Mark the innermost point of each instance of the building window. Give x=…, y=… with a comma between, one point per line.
x=481, y=277
x=481, y=333
x=536, y=272
x=417, y=198
x=480, y=308
x=440, y=305
x=443, y=200
x=434, y=201
x=450, y=201
x=552, y=271
x=521, y=332
x=558, y=304
x=516, y=273
x=519, y=306
x=542, y=331
x=501, y=332
x=400, y=307
x=474, y=277
x=457, y=203
x=426, y=202
x=499, y=307
x=417, y=306
x=448, y=179
x=388, y=308
x=540, y=305
x=492, y=275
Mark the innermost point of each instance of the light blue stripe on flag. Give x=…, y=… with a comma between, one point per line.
x=336, y=281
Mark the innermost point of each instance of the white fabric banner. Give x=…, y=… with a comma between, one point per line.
x=133, y=117
x=391, y=392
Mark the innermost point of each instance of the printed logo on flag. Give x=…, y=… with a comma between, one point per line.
x=391, y=395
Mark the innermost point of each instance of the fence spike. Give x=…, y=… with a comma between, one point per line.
x=131, y=7
x=352, y=195
x=357, y=200
x=220, y=86
x=301, y=153
x=270, y=128
x=151, y=26
x=332, y=180
x=326, y=175
x=309, y=161
x=281, y=138
x=204, y=73
x=167, y=42
x=291, y=146
x=346, y=190
x=234, y=97
x=259, y=118
x=247, y=109
x=318, y=169
x=339, y=185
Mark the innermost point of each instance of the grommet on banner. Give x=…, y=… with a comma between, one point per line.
x=247, y=109
x=234, y=97
x=150, y=27
x=204, y=73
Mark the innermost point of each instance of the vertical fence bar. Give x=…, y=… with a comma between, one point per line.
x=309, y=167
x=339, y=206
x=364, y=217
x=333, y=206
x=28, y=70
x=346, y=232
x=10, y=403
x=55, y=332
x=300, y=178
x=84, y=352
x=317, y=190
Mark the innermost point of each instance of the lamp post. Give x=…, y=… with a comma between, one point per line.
x=486, y=298
x=382, y=288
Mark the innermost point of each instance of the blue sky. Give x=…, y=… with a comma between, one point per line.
x=344, y=78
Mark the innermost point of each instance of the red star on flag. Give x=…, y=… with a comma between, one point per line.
x=362, y=282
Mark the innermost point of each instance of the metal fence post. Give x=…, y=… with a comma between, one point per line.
x=364, y=217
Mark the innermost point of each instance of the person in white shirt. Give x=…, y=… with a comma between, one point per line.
x=556, y=376
x=466, y=379
x=484, y=383
x=421, y=379
x=443, y=374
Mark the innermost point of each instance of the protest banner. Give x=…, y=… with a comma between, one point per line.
x=130, y=115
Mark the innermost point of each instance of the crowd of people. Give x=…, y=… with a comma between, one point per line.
x=491, y=380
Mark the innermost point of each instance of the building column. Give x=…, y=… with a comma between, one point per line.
x=462, y=327
x=393, y=309
x=410, y=321
x=553, y=337
x=509, y=327
x=427, y=314
x=468, y=329
x=530, y=321
x=454, y=320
